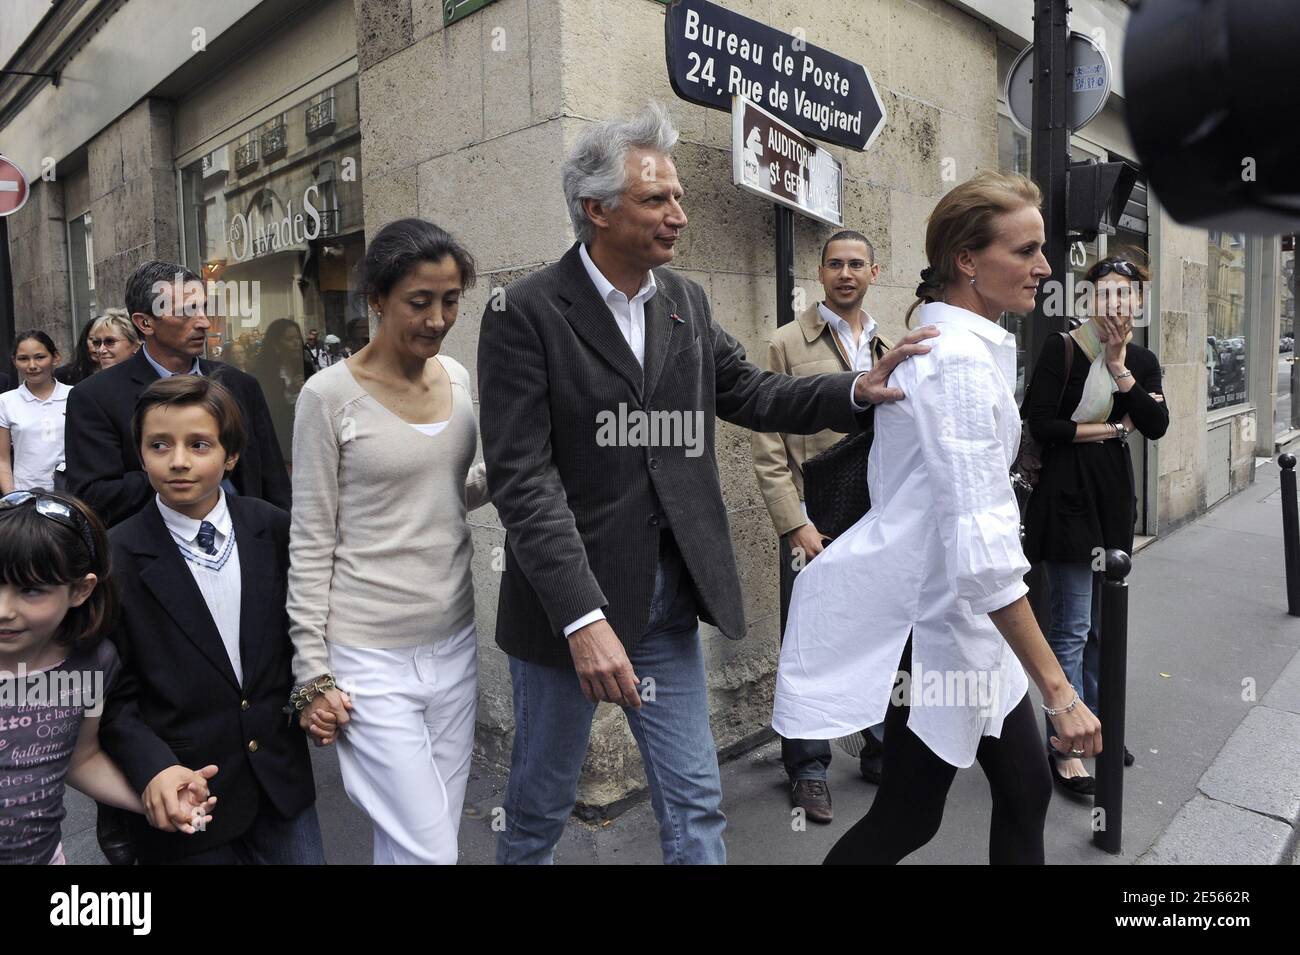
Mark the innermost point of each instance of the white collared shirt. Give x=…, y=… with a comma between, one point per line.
x=195, y=369
x=217, y=576
x=628, y=315
x=36, y=434
x=859, y=352
x=938, y=551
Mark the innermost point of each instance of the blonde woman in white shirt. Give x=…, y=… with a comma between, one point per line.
x=929, y=582
x=381, y=600
x=31, y=417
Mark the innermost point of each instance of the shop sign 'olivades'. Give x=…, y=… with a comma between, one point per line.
x=249, y=239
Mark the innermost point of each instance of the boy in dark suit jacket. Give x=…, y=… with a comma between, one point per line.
x=204, y=642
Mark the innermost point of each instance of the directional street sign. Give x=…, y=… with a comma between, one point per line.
x=715, y=54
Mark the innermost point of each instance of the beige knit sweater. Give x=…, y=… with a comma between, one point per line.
x=379, y=549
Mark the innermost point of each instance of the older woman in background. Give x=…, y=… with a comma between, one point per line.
x=113, y=338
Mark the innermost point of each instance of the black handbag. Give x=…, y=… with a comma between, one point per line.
x=835, y=484
x=1029, y=459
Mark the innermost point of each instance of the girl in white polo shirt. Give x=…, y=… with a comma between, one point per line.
x=31, y=417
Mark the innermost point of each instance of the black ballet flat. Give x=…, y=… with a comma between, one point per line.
x=1082, y=786
x=1129, y=758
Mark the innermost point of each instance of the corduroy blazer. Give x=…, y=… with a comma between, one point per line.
x=584, y=499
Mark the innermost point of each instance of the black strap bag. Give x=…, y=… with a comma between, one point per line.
x=835, y=484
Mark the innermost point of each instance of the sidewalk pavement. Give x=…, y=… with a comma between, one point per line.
x=1213, y=719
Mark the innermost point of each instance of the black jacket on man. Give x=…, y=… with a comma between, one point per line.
x=177, y=700
x=583, y=518
x=103, y=465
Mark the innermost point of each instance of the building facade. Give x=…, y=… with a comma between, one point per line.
x=260, y=142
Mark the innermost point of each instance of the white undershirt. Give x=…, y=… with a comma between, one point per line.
x=221, y=588
x=430, y=429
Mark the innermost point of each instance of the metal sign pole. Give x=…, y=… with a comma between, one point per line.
x=1050, y=158
x=784, y=264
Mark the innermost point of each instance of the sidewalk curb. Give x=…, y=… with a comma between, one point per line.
x=1246, y=810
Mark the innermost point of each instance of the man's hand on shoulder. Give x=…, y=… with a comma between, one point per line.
x=873, y=386
x=603, y=668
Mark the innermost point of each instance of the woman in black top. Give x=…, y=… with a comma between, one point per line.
x=1085, y=501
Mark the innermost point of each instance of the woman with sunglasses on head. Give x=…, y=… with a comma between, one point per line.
x=31, y=417
x=1082, y=412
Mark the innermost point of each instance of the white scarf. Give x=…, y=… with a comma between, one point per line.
x=1099, y=388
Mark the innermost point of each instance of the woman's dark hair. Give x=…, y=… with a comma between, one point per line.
x=1133, y=256
x=181, y=390
x=400, y=246
x=272, y=338
x=82, y=365
x=36, y=334
x=37, y=551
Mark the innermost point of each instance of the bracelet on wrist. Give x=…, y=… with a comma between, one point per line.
x=304, y=694
x=1064, y=709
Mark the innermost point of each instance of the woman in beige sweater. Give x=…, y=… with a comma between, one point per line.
x=381, y=601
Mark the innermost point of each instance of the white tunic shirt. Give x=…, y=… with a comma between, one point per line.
x=36, y=433
x=939, y=549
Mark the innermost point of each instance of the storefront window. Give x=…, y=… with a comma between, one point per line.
x=81, y=265
x=1286, y=409
x=1225, y=343
x=273, y=221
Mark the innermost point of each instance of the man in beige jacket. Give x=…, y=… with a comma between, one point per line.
x=835, y=335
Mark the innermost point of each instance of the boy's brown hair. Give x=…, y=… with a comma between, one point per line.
x=180, y=390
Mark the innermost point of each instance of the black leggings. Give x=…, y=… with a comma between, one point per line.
x=914, y=787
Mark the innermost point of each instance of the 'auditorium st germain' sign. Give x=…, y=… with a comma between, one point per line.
x=714, y=54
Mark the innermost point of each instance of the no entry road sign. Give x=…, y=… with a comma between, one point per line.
x=13, y=187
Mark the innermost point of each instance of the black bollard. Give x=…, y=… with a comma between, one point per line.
x=1290, y=533
x=1108, y=823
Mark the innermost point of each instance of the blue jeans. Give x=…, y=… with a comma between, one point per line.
x=553, y=723
x=1075, y=632
x=270, y=840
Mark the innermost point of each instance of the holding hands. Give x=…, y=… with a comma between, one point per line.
x=177, y=799
x=326, y=715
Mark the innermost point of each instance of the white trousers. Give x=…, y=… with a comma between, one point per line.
x=405, y=754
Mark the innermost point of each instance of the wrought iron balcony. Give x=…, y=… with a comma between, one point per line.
x=331, y=222
x=275, y=141
x=246, y=156
x=320, y=116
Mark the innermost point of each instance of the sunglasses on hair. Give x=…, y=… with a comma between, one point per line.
x=61, y=512
x=1126, y=269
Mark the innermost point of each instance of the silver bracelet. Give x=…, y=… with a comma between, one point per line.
x=1127, y=374
x=1064, y=709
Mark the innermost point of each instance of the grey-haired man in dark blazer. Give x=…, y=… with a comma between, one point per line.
x=599, y=381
